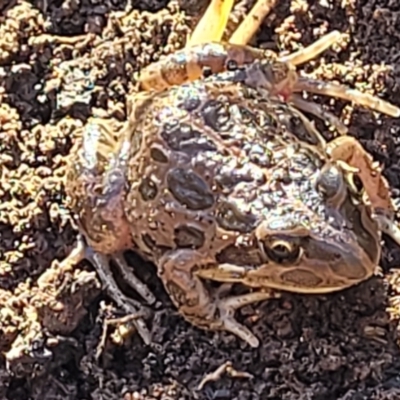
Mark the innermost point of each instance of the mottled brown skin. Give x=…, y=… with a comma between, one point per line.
x=223, y=179
x=227, y=184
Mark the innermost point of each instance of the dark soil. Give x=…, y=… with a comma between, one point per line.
x=62, y=62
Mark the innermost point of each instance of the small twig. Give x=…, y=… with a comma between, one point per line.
x=114, y=321
x=224, y=368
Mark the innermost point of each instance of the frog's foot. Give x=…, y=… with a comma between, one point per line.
x=310, y=52
x=227, y=307
x=247, y=29
x=102, y=265
x=197, y=305
x=286, y=87
x=349, y=150
x=343, y=92
x=335, y=90
x=131, y=279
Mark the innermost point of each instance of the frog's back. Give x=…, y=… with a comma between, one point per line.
x=201, y=157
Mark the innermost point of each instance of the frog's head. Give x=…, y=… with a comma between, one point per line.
x=321, y=249
x=320, y=236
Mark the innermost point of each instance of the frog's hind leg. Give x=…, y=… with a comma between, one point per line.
x=198, y=305
x=204, y=51
x=349, y=150
x=318, y=111
x=333, y=89
x=313, y=50
x=188, y=63
x=343, y=92
x=131, y=279
x=101, y=263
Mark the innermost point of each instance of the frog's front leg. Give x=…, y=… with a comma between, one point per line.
x=95, y=186
x=203, y=308
x=101, y=263
x=350, y=150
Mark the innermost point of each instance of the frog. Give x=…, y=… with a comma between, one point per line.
x=218, y=176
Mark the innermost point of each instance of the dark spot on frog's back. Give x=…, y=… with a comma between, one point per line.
x=217, y=115
x=148, y=189
x=189, y=237
x=182, y=137
x=240, y=255
x=189, y=189
x=231, y=218
x=152, y=245
x=158, y=155
x=188, y=98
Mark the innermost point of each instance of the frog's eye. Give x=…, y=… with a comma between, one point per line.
x=282, y=251
x=330, y=182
